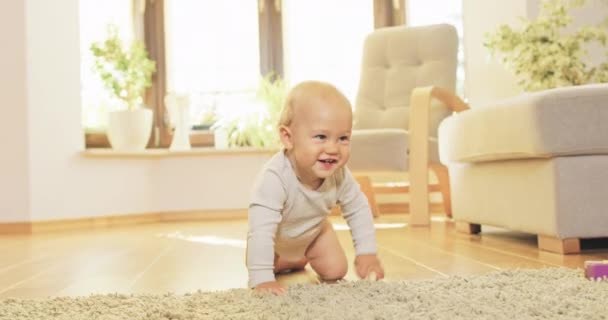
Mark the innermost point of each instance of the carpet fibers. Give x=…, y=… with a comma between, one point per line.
x=551, y=293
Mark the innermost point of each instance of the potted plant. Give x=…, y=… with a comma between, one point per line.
x=255, y=128
x=544, y=55
x=126, y=71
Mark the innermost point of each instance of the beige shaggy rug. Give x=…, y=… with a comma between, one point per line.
x=552, y=293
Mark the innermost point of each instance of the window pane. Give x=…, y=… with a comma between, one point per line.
x=324, y=41
x=95, y=17
x=422, y=12
x=212, y=51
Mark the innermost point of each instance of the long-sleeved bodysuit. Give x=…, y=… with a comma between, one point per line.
x=283, y=211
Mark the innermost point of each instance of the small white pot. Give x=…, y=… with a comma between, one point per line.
x=220, y=138
x=179, y=110
x=129, y=130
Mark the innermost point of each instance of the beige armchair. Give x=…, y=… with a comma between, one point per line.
x=407, y=79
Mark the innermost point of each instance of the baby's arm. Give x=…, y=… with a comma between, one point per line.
x=264, y=216
x=260, y=247
x=356, y=211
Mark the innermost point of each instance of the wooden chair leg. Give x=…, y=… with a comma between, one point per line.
x=443, y=178
x=562, y=246
x=366, y=186
x=468, y=228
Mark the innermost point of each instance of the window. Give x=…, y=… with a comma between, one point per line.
x=422, y=12
x=216, y=51
x=212, y=54
x=324, y=41
x=94, y=21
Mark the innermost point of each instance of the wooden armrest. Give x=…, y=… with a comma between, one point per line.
x=452, y=101
x=420, y=103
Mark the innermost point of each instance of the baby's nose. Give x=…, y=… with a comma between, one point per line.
x=331, y=147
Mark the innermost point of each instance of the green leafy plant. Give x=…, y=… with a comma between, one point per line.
x=257, y=128
x=208, y=117
x=125, y=71
x=543, y=55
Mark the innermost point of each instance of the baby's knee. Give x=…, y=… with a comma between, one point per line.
x=336, y=271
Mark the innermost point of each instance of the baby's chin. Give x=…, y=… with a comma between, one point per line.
x=324, y=171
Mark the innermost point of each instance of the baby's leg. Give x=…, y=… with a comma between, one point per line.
x=281, y=265
x=326, y=255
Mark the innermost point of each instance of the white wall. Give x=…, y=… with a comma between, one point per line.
x=43, y=174
x=217, y=182
x=486, y=79
x=14, y=164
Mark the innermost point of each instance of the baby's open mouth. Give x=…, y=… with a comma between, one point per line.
x=329, y=161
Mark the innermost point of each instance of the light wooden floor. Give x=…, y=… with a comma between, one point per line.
x=184, y=257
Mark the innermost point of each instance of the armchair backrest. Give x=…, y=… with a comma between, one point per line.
x=395, y=61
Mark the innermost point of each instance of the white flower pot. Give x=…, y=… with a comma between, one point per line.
x=129, y=130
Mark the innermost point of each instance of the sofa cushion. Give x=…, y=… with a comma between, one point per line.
x=560, y=197
x=557, y=122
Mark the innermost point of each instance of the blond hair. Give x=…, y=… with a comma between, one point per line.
x=305, y=92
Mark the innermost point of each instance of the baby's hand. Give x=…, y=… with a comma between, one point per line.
x=367, y=264
x=272, y=287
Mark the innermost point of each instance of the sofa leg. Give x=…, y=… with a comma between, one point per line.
x=468, y=228
x=366, y=187
x=443, y=178
x=562, y=246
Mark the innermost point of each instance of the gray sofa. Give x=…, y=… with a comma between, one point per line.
x=535, y=163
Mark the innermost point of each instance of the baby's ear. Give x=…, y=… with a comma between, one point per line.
x=286, y=137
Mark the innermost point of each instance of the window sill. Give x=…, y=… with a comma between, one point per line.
x=198, y=139
x=166, y=153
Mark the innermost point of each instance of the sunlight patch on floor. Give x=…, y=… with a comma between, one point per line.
x=341, y=226
x=440, y=218
x=212, y=240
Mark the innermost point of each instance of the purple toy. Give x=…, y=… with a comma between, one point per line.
x=596, y=269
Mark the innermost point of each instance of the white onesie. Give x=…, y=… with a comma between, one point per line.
x=284, y=211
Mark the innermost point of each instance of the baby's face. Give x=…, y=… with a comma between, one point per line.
x=320, y=139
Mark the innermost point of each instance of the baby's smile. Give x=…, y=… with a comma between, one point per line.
x=328, y=163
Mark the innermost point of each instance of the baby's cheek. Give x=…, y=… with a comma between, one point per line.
x=345, y=156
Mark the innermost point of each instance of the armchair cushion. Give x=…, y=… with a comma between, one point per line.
x=556, y=122
x=384, y=150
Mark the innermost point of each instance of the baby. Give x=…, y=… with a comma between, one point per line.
x=297, y=188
